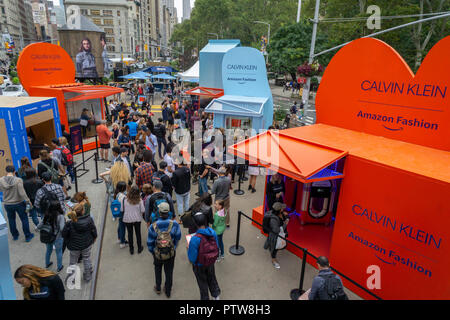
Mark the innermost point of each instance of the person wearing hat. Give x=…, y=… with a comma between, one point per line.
x=278, y=218
x=221, y=188
x=163, y=224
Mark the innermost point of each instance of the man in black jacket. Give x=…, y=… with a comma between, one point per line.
x=153, y=201
x=160, y=133
x=164, y=178
x=80, y=234
x=181, y=181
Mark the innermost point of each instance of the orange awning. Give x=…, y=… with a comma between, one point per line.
x=203, y=91
x=291, y=156
x=91, y=92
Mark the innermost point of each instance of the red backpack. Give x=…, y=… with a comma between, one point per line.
x=208, y=251
x=67, y=156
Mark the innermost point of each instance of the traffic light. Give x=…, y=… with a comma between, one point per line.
x=146, y=47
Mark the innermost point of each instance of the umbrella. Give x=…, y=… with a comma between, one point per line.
x=163, y=76
x=136, y=75
x=193, y=80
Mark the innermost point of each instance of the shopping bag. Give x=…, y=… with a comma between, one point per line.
x=281, y=243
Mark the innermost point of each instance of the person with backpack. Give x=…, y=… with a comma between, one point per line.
x=50, y=229
x=80, y=234
x=65, y=149
x=50, y=191
x=273, y=220
x=219, y=226
x=203, y=252
x=203, y=205
x=15, y=201
x=163, y=237
x=326, y=285
x=153, y=202
x=32, y=184
x=160, y=132
x=293, y=109
x=116, y=206
x=164, y=178
x=53, y=166
x=133, y=210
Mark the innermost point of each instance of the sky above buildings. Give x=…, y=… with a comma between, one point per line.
x=178, y=5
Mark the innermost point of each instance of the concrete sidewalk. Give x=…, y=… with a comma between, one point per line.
x=34, y=251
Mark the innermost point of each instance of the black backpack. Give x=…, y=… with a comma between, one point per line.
x=333, y=287
x=266, y=223
x=48, y=197
x=47, y=233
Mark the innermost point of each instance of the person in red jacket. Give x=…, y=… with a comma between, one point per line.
x=104, y=136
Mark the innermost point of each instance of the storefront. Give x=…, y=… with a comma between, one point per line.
x=368, y=185
x=46, y=70
x=247, y=98
x=28, y=123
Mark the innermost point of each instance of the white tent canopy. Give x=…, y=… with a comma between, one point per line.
x=191, y=74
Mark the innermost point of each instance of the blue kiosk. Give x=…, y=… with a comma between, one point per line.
x=247, y=102
x=21, y=117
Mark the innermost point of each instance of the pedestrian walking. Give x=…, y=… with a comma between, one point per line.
x=51, y=228
x=133, y=211
x=15, y=201
x=160, y=133
x=32, y=184
x=219, y=226
x=274, y=220
x=221, y=188
x=39, y=284
x=181, y=181
x=163, y=237
x=80, y=234
x=203, y=252
x=119, y=195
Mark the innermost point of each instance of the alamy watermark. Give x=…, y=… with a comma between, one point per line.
x=374, y=21
x=73, y=280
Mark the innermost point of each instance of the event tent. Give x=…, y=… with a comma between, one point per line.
x=192, y=74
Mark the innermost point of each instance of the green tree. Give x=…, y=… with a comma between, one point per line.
x=290, y=47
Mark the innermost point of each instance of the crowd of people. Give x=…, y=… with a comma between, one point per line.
x=154, y=188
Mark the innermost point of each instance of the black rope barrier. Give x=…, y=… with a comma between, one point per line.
x=237, y=249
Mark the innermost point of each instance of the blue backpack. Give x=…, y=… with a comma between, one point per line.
x=155, y=212
x=116, y=207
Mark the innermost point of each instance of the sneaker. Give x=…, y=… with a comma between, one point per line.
x=118, y=241
x=16, y=238
x=29, y=239
x=140, y=250
x=123, y=245
x=49, y=265
x=59, y=269
x=276, y=265
x=253, y=190
x=167, y=293
x=216, y=298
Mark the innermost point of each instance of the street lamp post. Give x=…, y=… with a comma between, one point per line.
x=268, y=36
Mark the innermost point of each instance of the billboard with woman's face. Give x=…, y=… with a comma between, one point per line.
x=87, y=50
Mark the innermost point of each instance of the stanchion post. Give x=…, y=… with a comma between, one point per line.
x=96, y=180
x=82, y=155
x=244, y=178
x=295, y=293
x=239, y=192
x=76, y=178
x=237, y=250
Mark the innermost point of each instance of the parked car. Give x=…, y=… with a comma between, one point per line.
x=6, y=81
x=15, y=90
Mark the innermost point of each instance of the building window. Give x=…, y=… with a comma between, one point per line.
x=109, y=31
x=95, y=12
x=118, y=13
x=84, y=12
x=107, y=12
x=111, y=48
x=109, y=40
x=108, y=22
x=97, y=21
